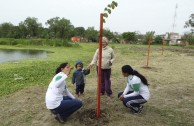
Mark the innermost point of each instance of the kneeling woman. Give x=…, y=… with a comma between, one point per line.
x=61, y=106
x=136, y=92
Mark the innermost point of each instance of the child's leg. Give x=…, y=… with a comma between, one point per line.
x=82, y=88
x=77, y=89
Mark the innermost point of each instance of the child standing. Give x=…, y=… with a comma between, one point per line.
x=136, y=92
x=79, y=77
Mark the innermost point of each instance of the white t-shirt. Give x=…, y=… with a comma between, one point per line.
x=56, y=88
x=135, y=84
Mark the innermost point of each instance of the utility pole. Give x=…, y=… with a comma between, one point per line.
x=172, y=35
x=174, y=18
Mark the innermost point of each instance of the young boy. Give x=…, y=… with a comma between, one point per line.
x=79, y=77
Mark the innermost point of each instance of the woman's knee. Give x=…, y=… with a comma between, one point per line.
x=78, y=103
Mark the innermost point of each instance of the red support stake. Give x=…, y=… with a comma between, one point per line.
x=99, y=66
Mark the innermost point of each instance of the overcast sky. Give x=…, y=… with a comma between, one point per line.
x=130, y=15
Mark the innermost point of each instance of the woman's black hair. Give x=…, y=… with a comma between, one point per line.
x=128, y=69
x=63, y=65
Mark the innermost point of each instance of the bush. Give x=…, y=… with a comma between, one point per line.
x=158, y=40
x=37, y=42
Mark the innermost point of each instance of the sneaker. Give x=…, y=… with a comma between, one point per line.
x=82, y=94
x=137, y=110
x=140, y=109
x=111, y=96
x=59, y=118
x=77, y=95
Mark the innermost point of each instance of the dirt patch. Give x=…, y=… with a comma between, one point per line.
x=189, y=52
x=154, y=69
x=89, y=118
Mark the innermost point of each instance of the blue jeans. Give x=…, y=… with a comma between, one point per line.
x=133, y=101
x=68, y=106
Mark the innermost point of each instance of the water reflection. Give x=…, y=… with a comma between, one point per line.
x=16, y=55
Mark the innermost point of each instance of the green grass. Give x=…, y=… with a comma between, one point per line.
x=15, y=76
x=39, y=71
x=170, y=76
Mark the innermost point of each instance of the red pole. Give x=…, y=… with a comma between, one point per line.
x=99, y=66
x=149, y=49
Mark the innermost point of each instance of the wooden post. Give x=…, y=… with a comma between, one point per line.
x=149, y=49
x=162, y=46
x=99, y=66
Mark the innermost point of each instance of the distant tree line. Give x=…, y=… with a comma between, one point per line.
x=61, y=28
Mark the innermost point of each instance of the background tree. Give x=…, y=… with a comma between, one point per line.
x=129, y=37
x=108, y=34
x=43, y=33
x=190, y=23
x=147, y=37
x=158, y=39
x=53, y=27
x=189, y=38
x=91, y=34
x=22, y=30
x=79, y=31
x=60, y=28
x=65, y=29
x=7, y=30
x=30, y=26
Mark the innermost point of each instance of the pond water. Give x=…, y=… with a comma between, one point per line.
x=16, y=55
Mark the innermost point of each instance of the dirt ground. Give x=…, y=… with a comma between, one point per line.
x=171, y=84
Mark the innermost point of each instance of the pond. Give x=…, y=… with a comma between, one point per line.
x=16, y=55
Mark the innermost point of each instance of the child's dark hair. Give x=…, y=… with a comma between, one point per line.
x=128, y=69
x=63, y=65
x=80, y=63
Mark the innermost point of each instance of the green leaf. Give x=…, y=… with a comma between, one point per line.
x=109, y=11
x=105, y=9
x=115, y=3
x=104, y=21
x=105, y=15
x=112, y=6
x=109, y=5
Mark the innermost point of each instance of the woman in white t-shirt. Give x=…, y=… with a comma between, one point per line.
x=136, y=92
x=61, y=106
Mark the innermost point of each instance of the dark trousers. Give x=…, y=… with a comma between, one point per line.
x=133, y=101
x=105, y=81
x=80, y=88
x=68, y=106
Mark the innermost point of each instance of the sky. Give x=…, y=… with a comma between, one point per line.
x=130, y=15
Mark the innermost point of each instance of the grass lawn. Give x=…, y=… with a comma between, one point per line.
x=170, y=76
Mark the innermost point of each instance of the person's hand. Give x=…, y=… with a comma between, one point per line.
x=121, y=97
x=110, y=64
x=67, y=69
x=90, y=66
